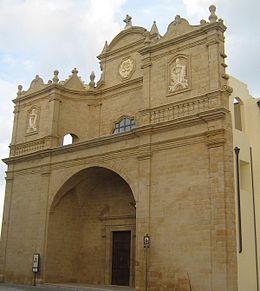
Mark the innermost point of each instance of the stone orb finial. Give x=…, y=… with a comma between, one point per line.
x=92, y=80
x=74, y=71
x=55, y=78
x=213, y=17
x=20, y=88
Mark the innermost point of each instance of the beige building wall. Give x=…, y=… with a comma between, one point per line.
x=246, y=128
x=170, y=176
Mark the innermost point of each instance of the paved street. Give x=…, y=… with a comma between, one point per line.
x=61, y=287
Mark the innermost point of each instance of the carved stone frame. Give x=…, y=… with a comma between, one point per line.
x=37, y=122
x=117, y=225
x=180, y=56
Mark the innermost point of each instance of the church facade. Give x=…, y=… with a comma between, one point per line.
x=143, y=196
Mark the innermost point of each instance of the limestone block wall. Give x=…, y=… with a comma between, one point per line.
x=23, y=227
x=180, y=189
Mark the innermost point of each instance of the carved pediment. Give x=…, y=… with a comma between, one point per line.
x=36, y=85
x=74, y=81
x=125, y=38
x=178, y=27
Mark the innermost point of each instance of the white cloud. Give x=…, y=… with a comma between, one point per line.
x=196, y=8
x=48, y=35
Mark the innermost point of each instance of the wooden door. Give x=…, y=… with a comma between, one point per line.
x=121, y=258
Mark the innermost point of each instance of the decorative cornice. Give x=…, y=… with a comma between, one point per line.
x=183, y=38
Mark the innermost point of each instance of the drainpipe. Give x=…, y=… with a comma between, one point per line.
x=237, y=150
x=254, y=215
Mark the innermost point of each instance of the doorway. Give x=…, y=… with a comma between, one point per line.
x=83, y=217
x=121, y=250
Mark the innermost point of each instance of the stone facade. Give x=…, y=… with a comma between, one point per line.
x=169, y=176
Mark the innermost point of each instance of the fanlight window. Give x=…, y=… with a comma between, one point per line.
x=124, y=124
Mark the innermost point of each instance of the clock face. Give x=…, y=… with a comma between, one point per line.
x=126, y=68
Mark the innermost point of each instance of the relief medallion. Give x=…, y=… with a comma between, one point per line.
x=126, y=68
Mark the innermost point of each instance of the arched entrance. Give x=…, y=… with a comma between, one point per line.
x=91, y=230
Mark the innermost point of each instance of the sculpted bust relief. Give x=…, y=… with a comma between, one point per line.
x=33, y=117
x=126, y=68
x=178, y=77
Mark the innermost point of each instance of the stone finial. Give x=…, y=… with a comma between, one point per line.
x=128, y=21
x=177, y=19
x=20, y=88
x=55, y=78
x=213, y=17
x=92, y=78
x=104, y=48
x=74, y=71
x=154, y=30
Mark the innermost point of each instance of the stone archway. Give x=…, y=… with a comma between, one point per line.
x=87, y=213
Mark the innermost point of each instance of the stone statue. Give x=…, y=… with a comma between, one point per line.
x=32, y=120
x=178, y=76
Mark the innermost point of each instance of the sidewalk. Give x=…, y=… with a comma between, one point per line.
x=62, y=287
x=79, y=287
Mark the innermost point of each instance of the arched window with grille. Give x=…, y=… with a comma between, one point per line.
x=124, y=124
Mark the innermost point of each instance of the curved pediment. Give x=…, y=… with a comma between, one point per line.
x=128, y=36
x=178, y=27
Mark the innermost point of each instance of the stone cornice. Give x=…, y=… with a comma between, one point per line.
x=183, y=38
x=79, y=95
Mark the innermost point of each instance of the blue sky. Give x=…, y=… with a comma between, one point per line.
x=39, y=36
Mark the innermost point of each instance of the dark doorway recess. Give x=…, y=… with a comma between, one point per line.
x=121, y=258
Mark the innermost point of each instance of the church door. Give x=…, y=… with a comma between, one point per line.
x=121, y=258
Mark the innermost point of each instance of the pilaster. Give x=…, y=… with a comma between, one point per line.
x=5, y=223
x=143, y=209
x=55, y=101
x=43, y=222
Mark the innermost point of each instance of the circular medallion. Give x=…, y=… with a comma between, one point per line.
x=126, y=68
